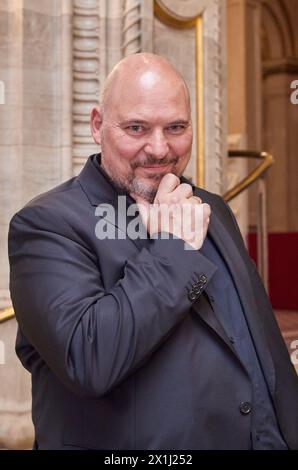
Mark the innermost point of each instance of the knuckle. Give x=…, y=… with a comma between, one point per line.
x=186, y=187
x=207, y=209
x=196, y=200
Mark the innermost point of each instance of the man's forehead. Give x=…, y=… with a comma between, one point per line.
x=150, y=107
x=148, y=79
x=170, y=116
x=150, y=86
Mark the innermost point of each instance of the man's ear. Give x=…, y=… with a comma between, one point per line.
x=96, y=123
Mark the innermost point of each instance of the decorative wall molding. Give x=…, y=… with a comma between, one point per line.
x=215, y=95
x=185, y=9
x=86, y=72
x=219, y=136
x=132, y=29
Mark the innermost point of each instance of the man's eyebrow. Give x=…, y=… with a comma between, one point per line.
x=132, y=121
x=141, y=121
x=179, y=121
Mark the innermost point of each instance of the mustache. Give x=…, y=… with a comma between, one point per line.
x=149, y=161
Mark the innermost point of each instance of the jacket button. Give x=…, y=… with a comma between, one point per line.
x=192, y=295
x=197, y=290
x=203, y=278
x=245, y=407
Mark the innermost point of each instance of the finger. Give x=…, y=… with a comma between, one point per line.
x=197, y=199
x=183, y=191
x=168, y=183
x=207, y=210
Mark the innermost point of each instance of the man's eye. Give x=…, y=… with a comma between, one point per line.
x=176, y=128
x=135, y=129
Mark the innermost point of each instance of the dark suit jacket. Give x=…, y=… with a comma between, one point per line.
x=120, y=338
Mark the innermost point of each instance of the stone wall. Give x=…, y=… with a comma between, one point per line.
x=35, y=155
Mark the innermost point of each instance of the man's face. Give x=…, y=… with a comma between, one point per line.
x=146, y=132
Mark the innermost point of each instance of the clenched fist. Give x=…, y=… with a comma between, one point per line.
x=177, y=211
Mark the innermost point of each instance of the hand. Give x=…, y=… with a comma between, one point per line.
x=176, y=210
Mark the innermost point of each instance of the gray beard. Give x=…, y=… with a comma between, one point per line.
x=132, y=184
x=144, y=191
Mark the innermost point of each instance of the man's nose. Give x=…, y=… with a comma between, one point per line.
x=157, y=144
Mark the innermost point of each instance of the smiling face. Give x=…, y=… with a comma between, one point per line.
x=144, y=125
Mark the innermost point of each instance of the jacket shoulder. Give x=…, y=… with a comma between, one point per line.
x=54, y=204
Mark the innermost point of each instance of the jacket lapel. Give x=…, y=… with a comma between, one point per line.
x=204, y=310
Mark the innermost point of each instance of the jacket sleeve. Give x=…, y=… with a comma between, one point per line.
x=93, y=339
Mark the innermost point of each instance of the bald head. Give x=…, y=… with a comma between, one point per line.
x=142, y=70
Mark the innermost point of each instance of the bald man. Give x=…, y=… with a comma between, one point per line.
x=141, y=317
